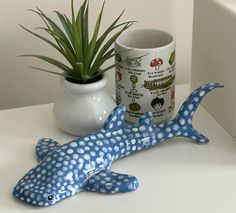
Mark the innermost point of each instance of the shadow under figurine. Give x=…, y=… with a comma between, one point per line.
x=83, y=164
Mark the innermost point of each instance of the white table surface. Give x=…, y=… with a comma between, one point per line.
x=178, y=176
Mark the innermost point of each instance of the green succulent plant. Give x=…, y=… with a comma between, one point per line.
x=84, y=55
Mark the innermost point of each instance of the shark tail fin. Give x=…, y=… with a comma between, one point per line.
x=182, y=124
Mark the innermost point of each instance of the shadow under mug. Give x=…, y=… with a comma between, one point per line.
x=145, y=76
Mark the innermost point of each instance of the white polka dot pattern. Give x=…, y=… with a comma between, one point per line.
x=45, y=146
x=83, y=164
x=111, y=182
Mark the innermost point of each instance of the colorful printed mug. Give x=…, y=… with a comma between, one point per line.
x=145, y=77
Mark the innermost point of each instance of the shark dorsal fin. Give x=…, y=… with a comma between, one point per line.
x=146, y=119
x=115, y=120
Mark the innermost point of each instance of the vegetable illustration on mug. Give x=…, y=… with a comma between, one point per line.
x=134, y=62
x=118, y=97
x=157, y=63
x=133, y=92
x=172, y=58
x=161, y=83
x=173, y=97
x=118, y=76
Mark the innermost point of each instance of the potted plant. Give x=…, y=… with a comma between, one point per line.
x=85, y=103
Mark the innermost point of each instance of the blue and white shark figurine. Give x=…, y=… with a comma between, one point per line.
x=83, y=164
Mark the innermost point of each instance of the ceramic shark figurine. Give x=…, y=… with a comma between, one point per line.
x=83, y=164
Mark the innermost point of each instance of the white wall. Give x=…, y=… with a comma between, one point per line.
x=21, y=86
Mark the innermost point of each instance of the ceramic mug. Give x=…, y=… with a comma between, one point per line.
x=145, y=77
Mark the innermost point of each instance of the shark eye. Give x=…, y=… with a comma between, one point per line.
x=50, y=197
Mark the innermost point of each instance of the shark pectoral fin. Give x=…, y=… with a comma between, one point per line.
x=110, y=182
x=45, y=146
x=115, y=120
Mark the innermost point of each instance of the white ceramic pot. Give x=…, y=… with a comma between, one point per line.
x=83, y=108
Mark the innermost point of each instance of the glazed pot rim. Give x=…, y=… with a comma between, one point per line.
x=81, y=88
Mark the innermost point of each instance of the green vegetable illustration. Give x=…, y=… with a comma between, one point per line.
x=159, y=83
x=134, y=107
x=134, y=79
x=172, y=58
